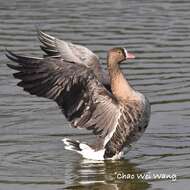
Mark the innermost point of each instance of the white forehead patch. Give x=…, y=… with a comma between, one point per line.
x=126, y=53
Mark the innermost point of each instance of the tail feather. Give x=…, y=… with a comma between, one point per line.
x=85, y=150
x=71, y=144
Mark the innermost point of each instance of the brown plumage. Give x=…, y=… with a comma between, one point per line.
x=107, y=105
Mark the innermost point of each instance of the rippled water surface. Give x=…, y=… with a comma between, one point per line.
x=31, y=129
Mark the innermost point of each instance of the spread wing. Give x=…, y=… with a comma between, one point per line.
x=72, y=52
x=84, y=101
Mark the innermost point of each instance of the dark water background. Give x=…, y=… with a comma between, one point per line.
x=31, y=129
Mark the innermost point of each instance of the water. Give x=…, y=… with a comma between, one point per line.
x=31, y=129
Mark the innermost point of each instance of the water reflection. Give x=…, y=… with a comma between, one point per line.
x=108, y=175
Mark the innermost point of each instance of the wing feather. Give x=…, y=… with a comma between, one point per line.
x=81, y=96
x=68, y=51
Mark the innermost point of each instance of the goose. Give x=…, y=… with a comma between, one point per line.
x=89, y=98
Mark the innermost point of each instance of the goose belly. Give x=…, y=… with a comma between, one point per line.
x=130, y=128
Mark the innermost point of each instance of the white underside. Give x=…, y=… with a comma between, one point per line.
x=89, y=153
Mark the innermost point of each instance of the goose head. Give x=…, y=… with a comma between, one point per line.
x=118, y=54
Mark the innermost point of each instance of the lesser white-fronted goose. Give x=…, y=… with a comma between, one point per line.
x=71, y=76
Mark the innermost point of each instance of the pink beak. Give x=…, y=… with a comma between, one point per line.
x=130, y=56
